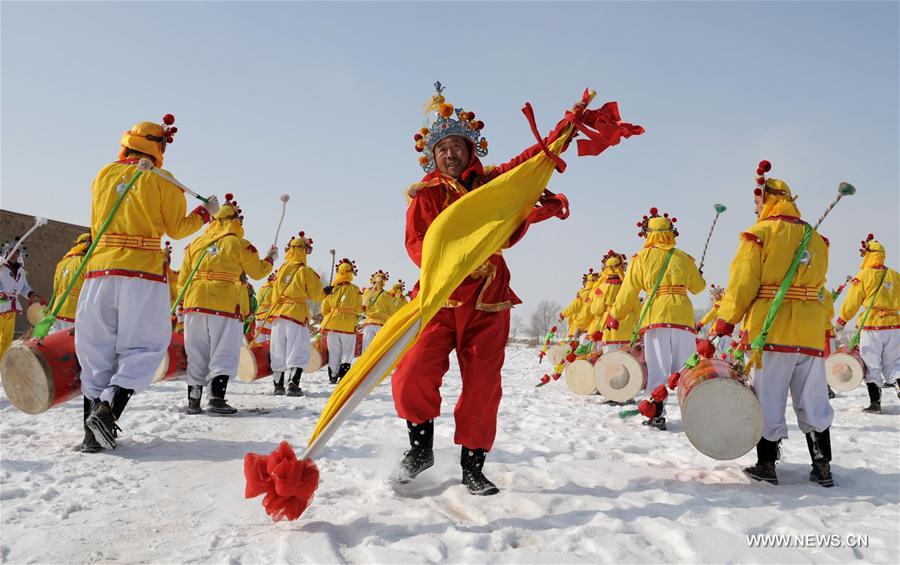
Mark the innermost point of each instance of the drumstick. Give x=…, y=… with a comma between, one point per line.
x=284, y=201
x=162, y=174
x=38, y=222
x=331, y=276
x=844, y=189
x=719, y=208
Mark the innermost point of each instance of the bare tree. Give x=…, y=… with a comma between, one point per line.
x=516, y=325
x=547, y=313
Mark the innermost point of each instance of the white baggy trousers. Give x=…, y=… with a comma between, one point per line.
x=341, y=348
x=804, y=377
x=289, y=347
x=368, y=332
x=665, y=350
x=122, y=331
x=213, y=346
x=880, y=351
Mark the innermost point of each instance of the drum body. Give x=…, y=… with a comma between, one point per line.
x=722, y=417
x=35, y=313
x=40, y=374
x=358, y=346
x=845, y=369
x=318, y=354
x=621, y=375
x=175, y=361
x=557, y=354
x=255, y=362
x=579, y=377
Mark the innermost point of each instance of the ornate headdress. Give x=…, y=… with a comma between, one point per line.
x=230, y=209
x=300, y=240
x=346, y=265
x=150, y=138
x=613, y=255
x=716, y=291
x=589, y=274
x=443, y=125
x=656, y=223
x=9, y=244
x=870, y=245
x=379, y=274
x=400, y=285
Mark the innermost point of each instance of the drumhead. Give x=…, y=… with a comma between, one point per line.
x=556, y=354
x=619, y=376
x=579, y=377
x=722, y=418
x=845, y=372
x=315, y=361
x=27, y=379
x=35, y=313
x=163, y=368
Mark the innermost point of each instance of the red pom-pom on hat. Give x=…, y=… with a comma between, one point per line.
x=757, y=192
x=760, y=172
x=229, y=196
x=417, y=137
x=674, y=220
x=870, y=237
x=170, y=139
x=173, y=130
x=168, y=119
x=654, y=211
x=760, y=181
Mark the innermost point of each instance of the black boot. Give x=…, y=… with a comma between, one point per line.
x=658, y=421
x=120, y=400
x=766, y=454
x=278, y=380
x=345, y=368
x=103, y=424
x=472, y=461
x=293, y=388
x=830, y=392
x=332, y=378
x=420, y=455
x=217, y=404
x=874, y=406
x=819, y=444
x=195, y=392
x=897, y=386
x=89, y=444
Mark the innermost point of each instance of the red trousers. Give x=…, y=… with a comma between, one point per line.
x=480, y=341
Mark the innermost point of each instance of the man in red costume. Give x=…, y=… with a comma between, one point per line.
x=475, y=320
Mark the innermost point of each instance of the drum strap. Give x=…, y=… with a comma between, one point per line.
x=662, y=273
x=854, y=341
x=760, y=340
x=190, y=279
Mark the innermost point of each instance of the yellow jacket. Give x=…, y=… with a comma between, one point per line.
x=604, y=298
x=217, y=287
x=710, y=316
x=341, y=309
x=153, y=209
x=398, y=301
x=671, y=307
x=862, y=288
x=65, y=271
x=172, y=277
x=378, y=306
x=763, y=257
x=578, y=311
x=294, y=286
x=264, y=301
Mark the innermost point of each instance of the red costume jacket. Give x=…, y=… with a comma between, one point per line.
x=489, y=284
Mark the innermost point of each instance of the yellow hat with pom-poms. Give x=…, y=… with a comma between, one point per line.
x=443, y=125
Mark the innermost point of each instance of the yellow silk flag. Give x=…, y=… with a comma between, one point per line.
x=462, y=237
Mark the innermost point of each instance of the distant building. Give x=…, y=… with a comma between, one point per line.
x=45, y=248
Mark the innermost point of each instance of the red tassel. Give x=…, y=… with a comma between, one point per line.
x=660, y=394
x=674, y=378
x=647, y=409
x=289, y=484
x=603, y=127
x=529, y=115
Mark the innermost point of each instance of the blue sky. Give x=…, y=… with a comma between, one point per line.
x=321, y=101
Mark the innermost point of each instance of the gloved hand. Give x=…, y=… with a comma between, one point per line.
x=328, y=290
x=722, y=328
x=706, y=349
x=611, y=323
x=272, y=255
x=212, y=205
x=839, y=324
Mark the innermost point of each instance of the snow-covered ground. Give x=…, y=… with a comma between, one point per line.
x=578, y=485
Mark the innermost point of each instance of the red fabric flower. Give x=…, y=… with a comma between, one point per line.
x=723, y=328
x=706, y=349
x=673, y=380
x=611, y=323
x=289, y=484
x=660, y=394
x=647, y=409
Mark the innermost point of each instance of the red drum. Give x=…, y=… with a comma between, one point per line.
x=175, y=361
x=845, y=369
x=255, y=362
x=359, y=339
x=621, y=375
x=41, y=373
x=722, y=416
x=579, y=377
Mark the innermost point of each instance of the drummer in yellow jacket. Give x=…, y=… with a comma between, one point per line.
x=716, y=293
x=793, y=356
x=122, y=324
x=341, y=310
x=668, y=326
x=295, y=286
x=65, y=271
x=378, y=305
x=607, y=290
x=578, y=311
x=878, y=286
x=264, y=303
x=398, y=296
x=215, y=303
x=13, y=285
